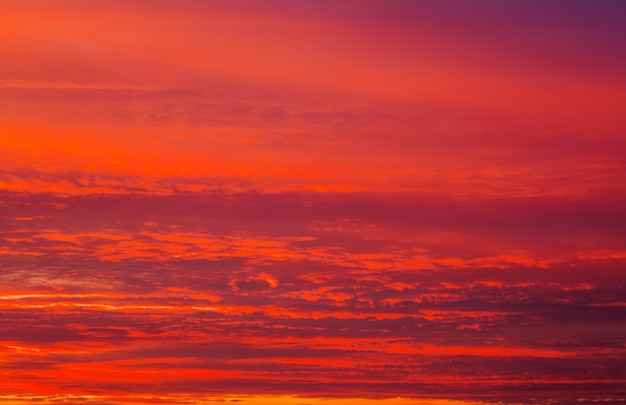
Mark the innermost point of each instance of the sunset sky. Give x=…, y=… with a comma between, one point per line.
x=312, y=202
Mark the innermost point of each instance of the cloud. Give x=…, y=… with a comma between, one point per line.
x=294, y=201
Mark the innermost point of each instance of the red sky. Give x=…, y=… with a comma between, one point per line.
x=312, y=202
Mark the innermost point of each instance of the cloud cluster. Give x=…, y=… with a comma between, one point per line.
x=312, y=294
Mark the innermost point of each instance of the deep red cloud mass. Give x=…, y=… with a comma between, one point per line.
x=311, y=202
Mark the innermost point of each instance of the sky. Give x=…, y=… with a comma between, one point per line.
x=300, y=202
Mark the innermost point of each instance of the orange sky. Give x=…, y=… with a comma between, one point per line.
x=303, y=201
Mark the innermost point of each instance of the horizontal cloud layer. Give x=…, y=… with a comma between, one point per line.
x=300, y=202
